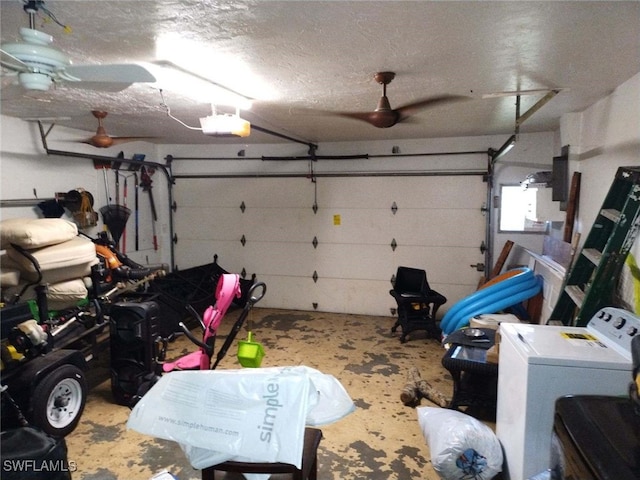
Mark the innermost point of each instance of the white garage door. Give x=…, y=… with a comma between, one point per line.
x=341, y=257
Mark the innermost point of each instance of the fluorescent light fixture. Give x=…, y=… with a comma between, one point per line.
x=506, y=147
x=225, y=124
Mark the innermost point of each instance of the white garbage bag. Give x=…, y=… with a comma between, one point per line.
x=461, y=446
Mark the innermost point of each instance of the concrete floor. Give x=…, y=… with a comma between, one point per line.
x=381, y=440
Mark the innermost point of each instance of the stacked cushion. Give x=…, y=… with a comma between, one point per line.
x=64, y=258
x=70, y=259
x=30, y=233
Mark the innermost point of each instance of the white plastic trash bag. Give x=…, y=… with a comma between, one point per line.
x=333, y=401
x=461, y=447
x=229, y=412
x=255, y=415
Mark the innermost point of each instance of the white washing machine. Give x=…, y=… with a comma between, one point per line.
x=540, y=363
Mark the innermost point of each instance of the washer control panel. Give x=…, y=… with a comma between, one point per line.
x=617, y=326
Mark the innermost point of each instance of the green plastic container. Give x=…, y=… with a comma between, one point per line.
x=250, y=353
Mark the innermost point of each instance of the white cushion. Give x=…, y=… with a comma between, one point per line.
x=60, y=296
x=32, y=233
x=66, y=294
x=64, y=261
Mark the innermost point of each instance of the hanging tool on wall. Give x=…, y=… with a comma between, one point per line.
x=135, y=203
x=145, y=183
x=116, y=170
x=123, y=248
x=106, y=185
x=135, y=168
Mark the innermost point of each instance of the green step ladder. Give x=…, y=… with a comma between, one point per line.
x=592, y=280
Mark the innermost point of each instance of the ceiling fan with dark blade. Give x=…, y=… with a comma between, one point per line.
x=384, y=116
x=101, y=139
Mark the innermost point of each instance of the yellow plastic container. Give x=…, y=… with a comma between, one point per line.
x=250, y=353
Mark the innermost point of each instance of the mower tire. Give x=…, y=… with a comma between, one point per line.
x=58, y=400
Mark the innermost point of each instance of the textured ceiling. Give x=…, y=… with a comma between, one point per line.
x=305, y=57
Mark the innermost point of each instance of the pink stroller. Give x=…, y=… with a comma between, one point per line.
x=227, y=289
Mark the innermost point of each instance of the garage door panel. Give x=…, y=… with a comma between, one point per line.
x=253, y=192
x=274, y=225
x=277, y=192
x=442, y=192
x=418, y=227
x=329, y=295
x=405, y=192
x=348, y=225
x=205, y=192
x=371, y=297
x=459, y=192
x=182, y=192
x=208, y=223
x=339, y=193
x=282, y=259
x=288, y=292
x=444, y=265
x=352, y=261
x=216, y=228
x=192, y=253
x=438, y=226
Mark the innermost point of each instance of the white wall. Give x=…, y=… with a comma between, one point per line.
x=604, y=137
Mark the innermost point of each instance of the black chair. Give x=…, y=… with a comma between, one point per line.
x=417, y=302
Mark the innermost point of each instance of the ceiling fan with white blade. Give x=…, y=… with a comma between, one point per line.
x=38, y=65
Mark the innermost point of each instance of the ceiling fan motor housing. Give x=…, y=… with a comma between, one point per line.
x=39, y=62
x=35, y=81
x=101, y=139
x=383, y=118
